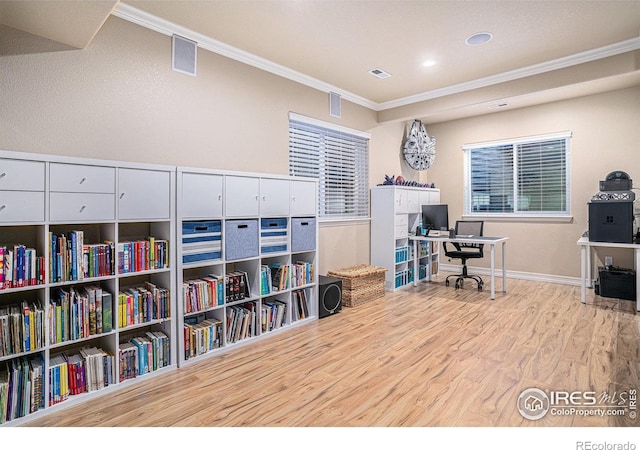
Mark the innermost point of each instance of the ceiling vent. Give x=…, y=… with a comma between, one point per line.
x=379, y=73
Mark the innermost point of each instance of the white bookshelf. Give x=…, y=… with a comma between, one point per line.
x=395, y=213
x=45, y=195
x=228, y=219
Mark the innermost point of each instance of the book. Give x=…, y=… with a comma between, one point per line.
x=107, y=312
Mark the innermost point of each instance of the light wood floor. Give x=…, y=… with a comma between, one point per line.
x=426, y=356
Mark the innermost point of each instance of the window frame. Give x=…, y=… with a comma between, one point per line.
x=517, y=215
x=361, y=188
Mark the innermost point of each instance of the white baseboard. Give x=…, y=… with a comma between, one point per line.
x=573, y=281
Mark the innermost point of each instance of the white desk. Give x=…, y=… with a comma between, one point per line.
x=585, y=266
x=487, y=240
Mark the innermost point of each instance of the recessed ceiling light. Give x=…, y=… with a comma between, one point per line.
x=379, y=73
x=479, y=38
x=430, y=63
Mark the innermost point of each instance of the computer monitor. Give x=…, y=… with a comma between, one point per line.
x=435, y=217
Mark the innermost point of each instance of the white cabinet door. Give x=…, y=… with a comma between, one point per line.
x=201, y=195
x=274, y=197
x=401, y=201
x=303, y=198
x=430, y=197
x=413, y=201
x=81, y=178
x=241, y=196
x=143, y=194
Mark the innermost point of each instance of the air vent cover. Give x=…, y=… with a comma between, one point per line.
x=379, y=73
x=183, y=58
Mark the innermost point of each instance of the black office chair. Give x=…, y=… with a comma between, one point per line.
x=464, y=251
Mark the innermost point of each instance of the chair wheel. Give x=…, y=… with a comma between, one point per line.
x=457, y=285
x=446, y=282
x=479, y=287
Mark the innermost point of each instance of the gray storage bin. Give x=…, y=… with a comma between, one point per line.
x=303, y=234
x=241, y=239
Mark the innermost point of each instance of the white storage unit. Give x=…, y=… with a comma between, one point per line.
x=228, y=299
x=395, y=213
x=65, y=215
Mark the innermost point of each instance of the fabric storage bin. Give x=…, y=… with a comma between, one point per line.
x=201, y=241
x=273, y=235
x=303, y=234
x=241, y=239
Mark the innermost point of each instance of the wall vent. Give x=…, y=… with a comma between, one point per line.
x=334, y=104
x=184, y=55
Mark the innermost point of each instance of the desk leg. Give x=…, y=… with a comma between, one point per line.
x=637, y=265
x=429, y=260
x=583, y=274
x=416, y=275
x=493, y=273
x=504, y=267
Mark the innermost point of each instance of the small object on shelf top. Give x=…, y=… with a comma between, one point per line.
x=400, y=181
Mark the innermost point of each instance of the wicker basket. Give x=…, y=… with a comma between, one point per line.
x=360, y=284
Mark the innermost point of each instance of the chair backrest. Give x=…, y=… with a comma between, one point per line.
x=467, y=228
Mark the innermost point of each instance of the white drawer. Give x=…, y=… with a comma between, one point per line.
x=401, y=231
x=18, y=175
x=81, y=207
x=18, y=206
x=81, y=178
x=402, y=219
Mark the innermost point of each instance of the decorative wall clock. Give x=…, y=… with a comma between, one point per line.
x=419, y=148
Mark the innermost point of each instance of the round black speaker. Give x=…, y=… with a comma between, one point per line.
x=330, y=296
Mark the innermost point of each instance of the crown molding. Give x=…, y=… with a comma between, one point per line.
x=536, y=69
x=149, y=21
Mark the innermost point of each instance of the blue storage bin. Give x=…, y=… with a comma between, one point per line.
x=273, y=235
x=201, y=241
x=303, y=234
x=241, y=239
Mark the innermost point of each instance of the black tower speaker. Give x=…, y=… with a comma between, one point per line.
x=329, y=296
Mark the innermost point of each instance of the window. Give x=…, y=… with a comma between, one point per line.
x=522, y=177
x=339, y=158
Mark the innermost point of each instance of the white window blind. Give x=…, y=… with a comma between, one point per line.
x=338, y=158
x=522, y=177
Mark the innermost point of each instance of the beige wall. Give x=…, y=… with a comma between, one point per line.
x=605, y=138
x=119, y=99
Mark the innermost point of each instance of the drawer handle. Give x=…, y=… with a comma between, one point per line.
x=273, y=224
x=243, y=226
x=304, y=223
x=264, y=198
x=122, y=195
x=83, y=180
x=293, y=199
x=3, y=174
x=83, y=208
x=2, y=207
x=219, y=196
x=200, y=228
